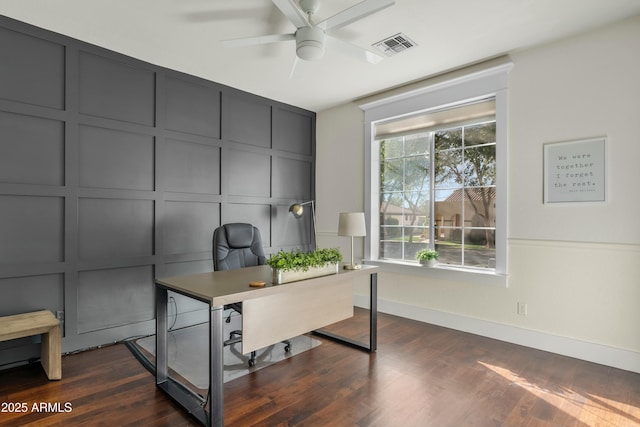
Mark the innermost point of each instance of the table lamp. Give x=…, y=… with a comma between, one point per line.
x=352, y=224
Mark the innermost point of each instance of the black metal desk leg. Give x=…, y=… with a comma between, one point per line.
x=161, y=336
x=373, y=312
x=216, y=368
x=181, y=394
x=373, y=322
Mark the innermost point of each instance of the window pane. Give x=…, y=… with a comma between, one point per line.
x=448, y=139
x=391, y=175
x=480, y=166
x=392, y=208
x=479, y=206
x=391, y=148
x=391, y=215
x=386, y=250
x=417, y=174
x=416, y=208
x=480, y=134
x=479, y=256
x=390, y=242
x=448, y=212
x=390, y=233
x=416, y=144
x=449, y=248
x=483, y=237
x=418, y=215
x=414, y=240
x=416, y=234
x=449, y=170
x=441, y=195
x=392, y=202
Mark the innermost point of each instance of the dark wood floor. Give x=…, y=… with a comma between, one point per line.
x=422, y=375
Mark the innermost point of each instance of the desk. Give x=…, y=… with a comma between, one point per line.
x=270, y=314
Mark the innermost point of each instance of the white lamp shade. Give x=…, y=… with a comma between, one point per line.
x=352, y=224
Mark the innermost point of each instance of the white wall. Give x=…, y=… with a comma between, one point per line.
x=339, y=172
x=575, y=266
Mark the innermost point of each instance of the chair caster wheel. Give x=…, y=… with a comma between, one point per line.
x=252, y=363
x=287, y=348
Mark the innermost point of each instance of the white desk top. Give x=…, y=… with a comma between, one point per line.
x=220, y=288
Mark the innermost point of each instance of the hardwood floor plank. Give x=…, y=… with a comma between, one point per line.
x=422, y=375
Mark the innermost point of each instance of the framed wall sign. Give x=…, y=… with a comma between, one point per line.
x=575, y=171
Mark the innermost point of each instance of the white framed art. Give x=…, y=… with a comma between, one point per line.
x=575, y=171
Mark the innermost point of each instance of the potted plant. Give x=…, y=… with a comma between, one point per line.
x=298, y=265
x=428, y=257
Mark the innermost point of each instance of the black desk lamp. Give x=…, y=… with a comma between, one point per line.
x=297, y=210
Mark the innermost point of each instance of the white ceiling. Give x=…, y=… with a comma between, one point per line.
x=185, y=35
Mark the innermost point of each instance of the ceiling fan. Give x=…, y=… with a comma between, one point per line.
x=311, y=37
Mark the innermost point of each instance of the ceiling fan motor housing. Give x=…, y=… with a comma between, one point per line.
x=310, y=43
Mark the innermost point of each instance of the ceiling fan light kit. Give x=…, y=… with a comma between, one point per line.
x=311, y=37
x=310, y=43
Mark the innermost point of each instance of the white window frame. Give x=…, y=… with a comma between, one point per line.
x=458, y=90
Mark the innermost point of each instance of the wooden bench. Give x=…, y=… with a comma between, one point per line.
x=38, y=322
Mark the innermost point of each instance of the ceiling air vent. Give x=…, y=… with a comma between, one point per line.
x=394, y=44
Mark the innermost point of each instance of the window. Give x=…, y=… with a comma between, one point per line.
x=437, y=190
x=436, y=176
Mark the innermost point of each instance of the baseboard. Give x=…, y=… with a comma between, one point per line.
x=583, y=350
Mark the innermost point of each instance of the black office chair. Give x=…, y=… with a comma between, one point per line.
x=238, y=245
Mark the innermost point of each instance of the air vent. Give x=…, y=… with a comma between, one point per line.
x=394, y=44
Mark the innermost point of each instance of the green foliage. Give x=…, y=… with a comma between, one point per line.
x=427, y=254
x=298, y=260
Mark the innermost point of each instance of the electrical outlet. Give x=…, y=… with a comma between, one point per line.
x=60, y=315
x=522, y=308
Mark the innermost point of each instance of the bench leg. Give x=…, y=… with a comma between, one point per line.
x=51, y=353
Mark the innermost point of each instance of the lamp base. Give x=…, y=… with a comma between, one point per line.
x=352, y=266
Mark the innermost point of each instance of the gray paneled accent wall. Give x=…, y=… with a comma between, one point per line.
x=114, y=171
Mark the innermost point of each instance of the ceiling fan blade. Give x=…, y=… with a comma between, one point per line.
x=299, y=69
x=252, y=41
x=291, y=11
x=294, y=67
x=354, y=13
x=354, y=51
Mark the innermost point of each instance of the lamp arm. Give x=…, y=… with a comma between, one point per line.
x=315, y=230
x=297, y=210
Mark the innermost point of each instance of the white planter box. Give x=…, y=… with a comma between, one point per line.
x=280, y=277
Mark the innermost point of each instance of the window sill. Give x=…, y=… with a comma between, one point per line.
x=443, y=271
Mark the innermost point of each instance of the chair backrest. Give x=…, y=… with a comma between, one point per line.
x=237, y=245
